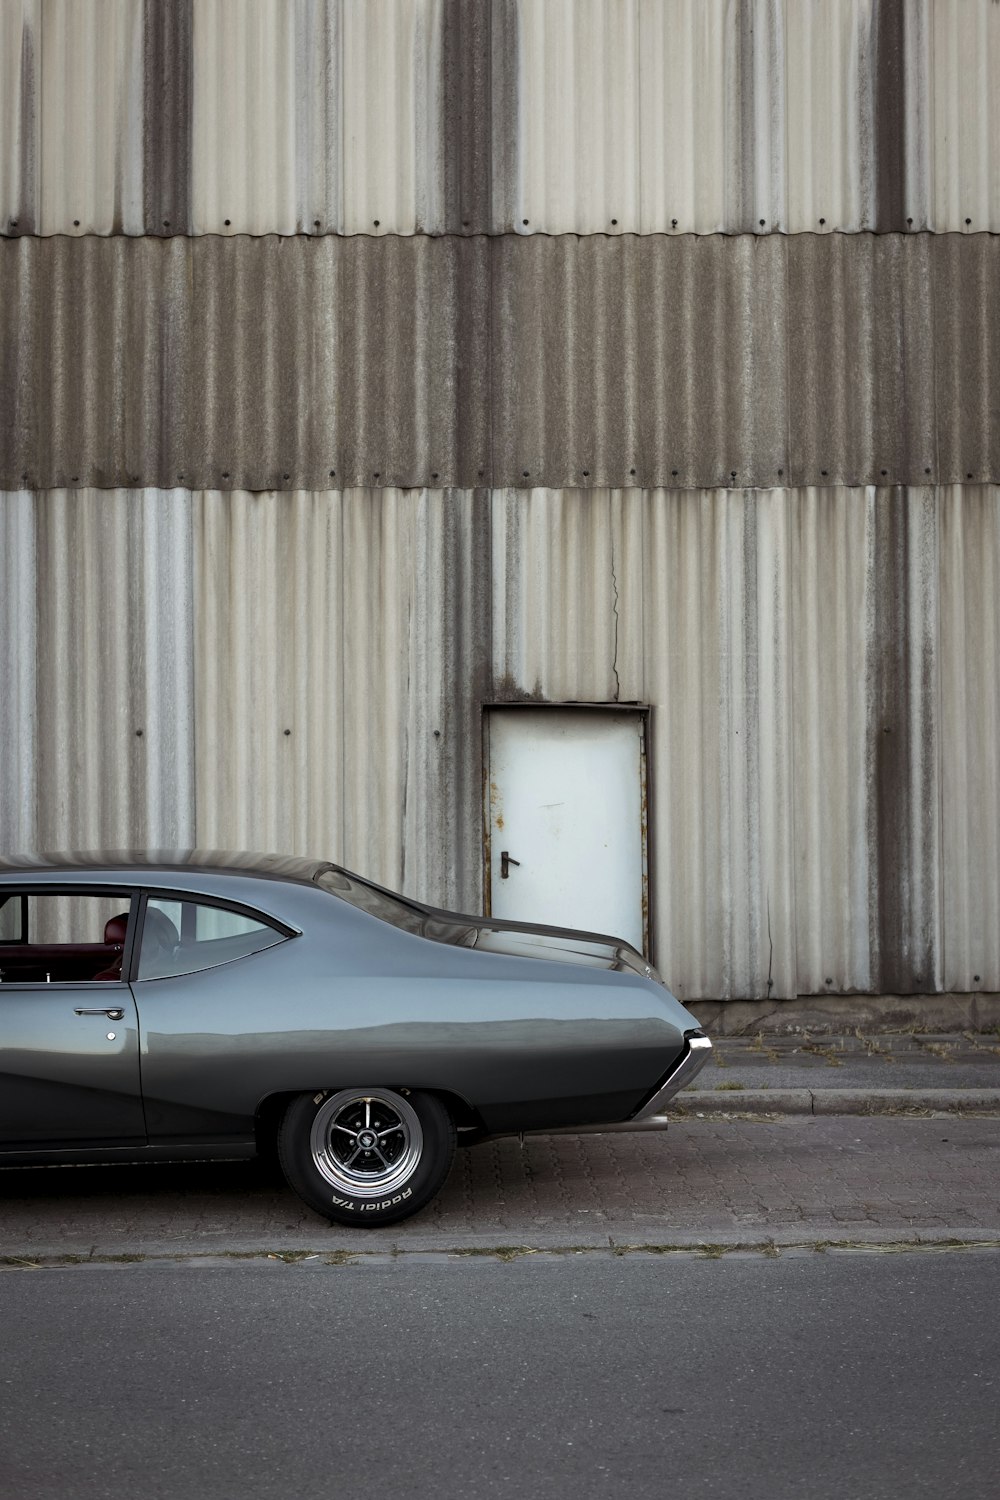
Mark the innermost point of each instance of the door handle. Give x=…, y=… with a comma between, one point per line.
x=114, y=1014
x=505, y=863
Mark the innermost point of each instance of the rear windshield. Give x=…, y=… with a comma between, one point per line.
x=395, y=909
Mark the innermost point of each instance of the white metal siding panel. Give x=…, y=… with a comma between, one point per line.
x=391, y=118
x=681, y=601
x=348, y=619
x=959, y=169
x=244, y=117
x=827, y=131
x=834, y=624
x=969, y=521
x=90, y=116
x=19, y=617
x=758, y=115
x=318, y=116
x=98, y=601
x=19, y=81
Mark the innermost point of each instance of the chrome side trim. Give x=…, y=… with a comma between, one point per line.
x=689, y=1065
x=648, y=1122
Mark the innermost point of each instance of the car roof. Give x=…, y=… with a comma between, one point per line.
x=162, y=861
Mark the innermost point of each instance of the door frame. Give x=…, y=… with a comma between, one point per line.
x=644, y=713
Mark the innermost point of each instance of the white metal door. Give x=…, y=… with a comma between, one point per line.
x=566, y=817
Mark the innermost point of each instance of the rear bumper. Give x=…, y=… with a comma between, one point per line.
x=690, y=1063
x=697, y=1049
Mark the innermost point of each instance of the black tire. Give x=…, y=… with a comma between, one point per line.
x=368, y=1156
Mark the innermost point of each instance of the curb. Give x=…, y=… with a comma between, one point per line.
x=837, y=1102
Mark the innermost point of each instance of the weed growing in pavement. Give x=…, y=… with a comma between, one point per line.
x=729, y=1084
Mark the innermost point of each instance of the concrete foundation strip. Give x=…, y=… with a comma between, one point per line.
x=837, y=1102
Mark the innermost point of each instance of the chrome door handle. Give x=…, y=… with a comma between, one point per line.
x=114, y=1014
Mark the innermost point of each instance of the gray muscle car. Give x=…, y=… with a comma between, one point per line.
x=193, y=1005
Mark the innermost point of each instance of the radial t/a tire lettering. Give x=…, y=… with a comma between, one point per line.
x=368, y=1156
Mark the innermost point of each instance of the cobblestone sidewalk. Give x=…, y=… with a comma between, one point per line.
x=793, y=1181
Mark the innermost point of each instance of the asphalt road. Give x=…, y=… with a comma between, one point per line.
x=839, y=1374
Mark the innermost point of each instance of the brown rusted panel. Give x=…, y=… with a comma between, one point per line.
x=505, y=68
x=904, y=810
x=466, y=108
x=412, y=360
x=890, y=114
x=966, y=335
x=166, y=116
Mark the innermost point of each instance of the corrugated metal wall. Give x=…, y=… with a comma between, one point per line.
x=281, y=514
x=598, y=116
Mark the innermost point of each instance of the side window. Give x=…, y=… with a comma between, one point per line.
x=13, y=919
x=183, y=937
x=62, y=937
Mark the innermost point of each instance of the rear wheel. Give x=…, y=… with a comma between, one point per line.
x=366, y=1156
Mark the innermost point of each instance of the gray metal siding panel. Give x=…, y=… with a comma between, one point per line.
x=654, y=360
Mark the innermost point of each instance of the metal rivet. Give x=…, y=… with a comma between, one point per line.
x=762, y=223
x=377, y=474
x=927, y=471
x=975, y=979
x=673, y=223
x=884, y=473
x=285, y=476
x=138, y=734
x=433, y=476
x=437, y=734
x=524, y=473
x=780, y=472
x=968, y=221
x=333, y=473
x=614, y=221
x=823, y=472
x=525, y=223
x=180, y=477
x=968, y=476
x=315, y=223
x=465, y=223
x=822, y=221
x=226, y=474
x=111, y=1036
x=632, y=472
x=287, y=732
x=586, y=473
x=166, y=223
x=827, y=981
x=375, y=222
x=76, y=479
x=227, y=222
x=673, y=473
x=909, y=221
x=481, y=472
x=13, y=223
x=76, y=223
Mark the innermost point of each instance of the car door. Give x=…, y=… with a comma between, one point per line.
x=69, y=1040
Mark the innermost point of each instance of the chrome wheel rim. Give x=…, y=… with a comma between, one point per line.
x=366, y=1143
